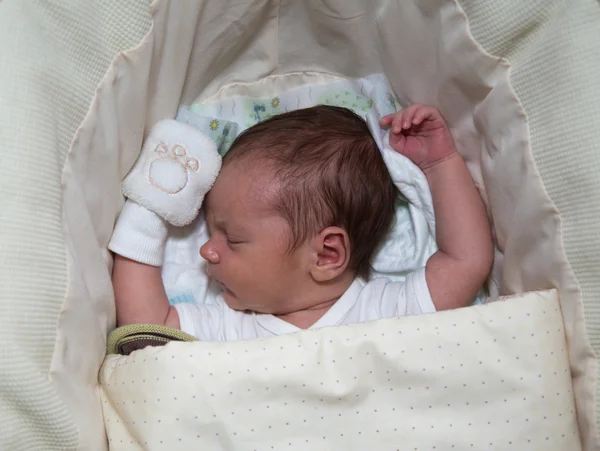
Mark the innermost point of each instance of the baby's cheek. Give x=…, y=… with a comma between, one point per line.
x=241, y=271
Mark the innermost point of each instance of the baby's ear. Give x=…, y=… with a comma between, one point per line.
x=333, y=254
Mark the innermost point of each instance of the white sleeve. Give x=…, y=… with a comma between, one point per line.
x=414, y=297
x=205, y=322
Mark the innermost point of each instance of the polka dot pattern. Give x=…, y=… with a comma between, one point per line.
x=487, y=377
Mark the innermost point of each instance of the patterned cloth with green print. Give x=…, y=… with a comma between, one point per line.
x=222, y=131
x=224, y=120
x=410, y=242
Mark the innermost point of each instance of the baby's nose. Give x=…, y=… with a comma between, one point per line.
x=208, y=253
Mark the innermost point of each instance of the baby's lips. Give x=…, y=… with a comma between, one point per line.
x=222, y=286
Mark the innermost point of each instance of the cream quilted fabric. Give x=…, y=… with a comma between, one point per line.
x=82, y=81
x=52, y=55
x=553, y=48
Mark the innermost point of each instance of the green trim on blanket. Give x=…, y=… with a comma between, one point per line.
x=133, y=337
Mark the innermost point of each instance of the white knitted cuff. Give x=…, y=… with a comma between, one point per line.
x=139, y=235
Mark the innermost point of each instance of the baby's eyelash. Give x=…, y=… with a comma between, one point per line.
x=233, y=241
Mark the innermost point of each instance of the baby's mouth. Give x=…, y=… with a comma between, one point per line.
x=222, y=286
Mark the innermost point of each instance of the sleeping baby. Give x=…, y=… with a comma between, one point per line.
x=301, y=204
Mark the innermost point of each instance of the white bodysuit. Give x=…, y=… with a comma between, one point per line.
x=363, y=301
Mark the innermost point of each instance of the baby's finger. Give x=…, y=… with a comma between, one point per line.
x=421, y=114
x=386, y=120
x=398, y=123
x=404, y=119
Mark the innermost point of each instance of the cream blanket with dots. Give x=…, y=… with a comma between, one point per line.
x=443, y=381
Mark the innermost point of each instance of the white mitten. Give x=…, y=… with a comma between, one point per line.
x=176, y=168
x=139, y=235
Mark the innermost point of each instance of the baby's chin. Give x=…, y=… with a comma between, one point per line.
x=234, y=303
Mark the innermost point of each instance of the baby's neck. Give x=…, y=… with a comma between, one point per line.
x=324, y=297
x=303, y=319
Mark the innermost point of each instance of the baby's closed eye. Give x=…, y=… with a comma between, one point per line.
x=234, y=240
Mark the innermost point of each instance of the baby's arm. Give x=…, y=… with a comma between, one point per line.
x=462, y=263
x=140, y=234
x=138, y=242
x=140, y=295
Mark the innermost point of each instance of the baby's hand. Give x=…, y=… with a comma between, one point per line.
x=420, y=133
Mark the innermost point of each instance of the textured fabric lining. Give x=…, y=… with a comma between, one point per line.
x=553, y=48
x=54, y=320
x=53, y=55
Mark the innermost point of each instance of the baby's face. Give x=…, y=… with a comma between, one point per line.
x=247, y=252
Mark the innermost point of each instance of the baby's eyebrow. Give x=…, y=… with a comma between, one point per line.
x=220, y=224
x=216, y=223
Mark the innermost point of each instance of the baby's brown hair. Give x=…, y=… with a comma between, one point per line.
x=331, y=173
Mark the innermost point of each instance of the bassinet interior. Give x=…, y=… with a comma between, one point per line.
x=199, y=50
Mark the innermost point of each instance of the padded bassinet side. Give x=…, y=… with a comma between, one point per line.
x=52, y=55
x=553, y=48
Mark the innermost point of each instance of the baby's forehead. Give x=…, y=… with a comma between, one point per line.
x=244, y=188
